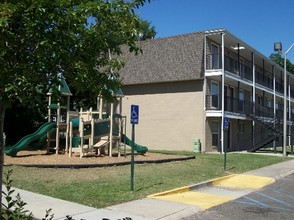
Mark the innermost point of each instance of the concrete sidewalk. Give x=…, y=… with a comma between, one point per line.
x=147, y=208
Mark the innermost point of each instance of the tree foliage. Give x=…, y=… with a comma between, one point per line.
x=41, y=41
x=278, y=59
x=146, y=31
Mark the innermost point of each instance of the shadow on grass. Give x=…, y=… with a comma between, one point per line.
x=148, y=187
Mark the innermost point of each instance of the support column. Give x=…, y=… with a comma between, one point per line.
x=223, y=93
x=253, y=98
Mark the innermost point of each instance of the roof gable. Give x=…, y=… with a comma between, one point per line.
x=178, y=58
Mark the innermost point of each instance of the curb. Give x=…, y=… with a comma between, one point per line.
x=192, y=187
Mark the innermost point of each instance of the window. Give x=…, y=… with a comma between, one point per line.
x=214, y=95
x=215, y=133
x=214, y=56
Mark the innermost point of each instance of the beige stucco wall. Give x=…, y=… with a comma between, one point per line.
x=170, y=114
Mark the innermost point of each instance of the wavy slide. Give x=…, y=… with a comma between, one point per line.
x=139, y=148
x=24, y=143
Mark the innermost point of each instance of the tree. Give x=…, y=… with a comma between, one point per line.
x=81, y=98
x=43, y=40
x=146, y=31
x=277, y=58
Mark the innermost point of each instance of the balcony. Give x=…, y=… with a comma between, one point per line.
x=242, y=70
x=243, y=107
x=231, y=104
x=213, y=62
x=264, y=79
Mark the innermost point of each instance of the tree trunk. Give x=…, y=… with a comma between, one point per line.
x=2, y=117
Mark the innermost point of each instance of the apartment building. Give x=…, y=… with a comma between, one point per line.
x=208, y=86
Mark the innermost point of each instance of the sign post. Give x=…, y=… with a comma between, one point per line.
x=226, y=127
x=134, y=121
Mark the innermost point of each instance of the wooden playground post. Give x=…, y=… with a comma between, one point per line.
x=57, y=129
x=67, y=124
x=111, y=128
x=70, y=138
x=49, y=119
x=100, y=107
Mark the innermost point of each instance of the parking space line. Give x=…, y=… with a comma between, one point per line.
x=275, y=199
x=254, y=202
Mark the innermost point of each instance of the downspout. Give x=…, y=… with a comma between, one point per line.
x=223, y=92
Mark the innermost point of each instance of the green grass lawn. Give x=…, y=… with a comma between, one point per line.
x=101, y=187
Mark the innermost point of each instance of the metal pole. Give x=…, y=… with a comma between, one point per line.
x=285, y=108
x=285, y=101
x=225, y=152
x=289, y=112
x=132, y=158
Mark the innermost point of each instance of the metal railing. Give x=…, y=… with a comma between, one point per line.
x=235, y=105
x=234, y=66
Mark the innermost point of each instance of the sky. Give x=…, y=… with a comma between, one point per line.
x=259, y=23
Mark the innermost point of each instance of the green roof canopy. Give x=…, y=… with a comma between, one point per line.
x=63, y=88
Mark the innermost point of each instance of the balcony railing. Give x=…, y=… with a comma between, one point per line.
x=264, y=79
x=244, y=107
x=242, y=70
x=231, y=65
x=213, y=61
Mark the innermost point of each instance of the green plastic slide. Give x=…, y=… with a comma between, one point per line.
x=24, y=143
x=139, y=148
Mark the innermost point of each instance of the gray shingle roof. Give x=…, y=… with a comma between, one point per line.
x=177, y=58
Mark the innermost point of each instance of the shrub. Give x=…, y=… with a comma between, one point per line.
x=14, y=208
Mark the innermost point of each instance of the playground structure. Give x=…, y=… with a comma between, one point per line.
x=90, y=131
x=93, y=132
x=84, y=132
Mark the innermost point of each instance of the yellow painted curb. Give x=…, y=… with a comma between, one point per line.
x=243, y=181
x=202, y=200
x=189, y=188
x=169, y=192
x=223, y=178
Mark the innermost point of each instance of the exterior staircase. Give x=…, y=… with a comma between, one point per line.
x=270, y=127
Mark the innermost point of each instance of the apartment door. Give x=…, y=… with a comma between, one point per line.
x=232, y=92
x=259, y=103
x=215, y=134
x=241, y=68
x=241, y=101
x=229, y=98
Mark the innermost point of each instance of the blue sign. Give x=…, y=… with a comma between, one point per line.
x=226, y=123
x=134, y=114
